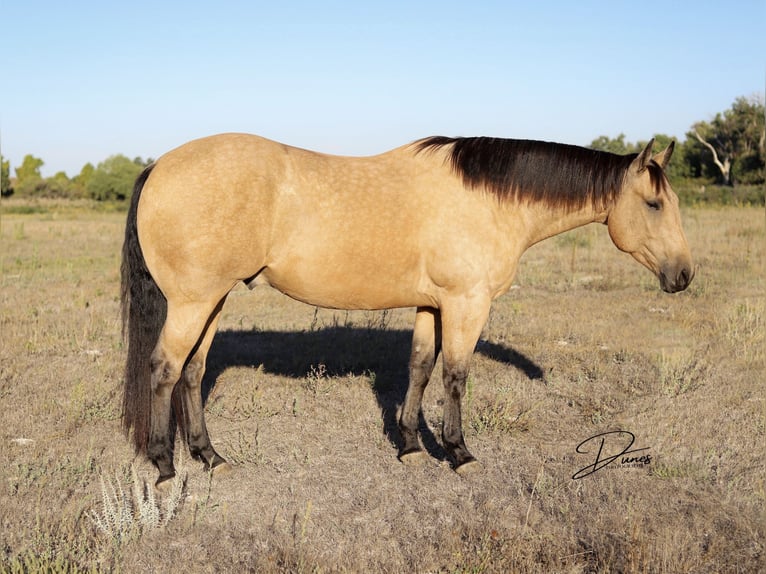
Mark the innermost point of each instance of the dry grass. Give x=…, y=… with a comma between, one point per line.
x=304, y=403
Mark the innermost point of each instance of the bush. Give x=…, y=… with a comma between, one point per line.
x=56, y=187
x=691, y=193
x=113, y=178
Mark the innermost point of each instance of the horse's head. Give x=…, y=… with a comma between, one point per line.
x=645, y=222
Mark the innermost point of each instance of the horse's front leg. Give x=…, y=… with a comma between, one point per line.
x=462, y=322
x=426, y=342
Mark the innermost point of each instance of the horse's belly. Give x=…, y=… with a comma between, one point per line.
x=348, y=289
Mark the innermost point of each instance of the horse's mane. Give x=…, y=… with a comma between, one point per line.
x=558, y=175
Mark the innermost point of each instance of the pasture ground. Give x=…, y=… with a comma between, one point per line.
x=303, y=403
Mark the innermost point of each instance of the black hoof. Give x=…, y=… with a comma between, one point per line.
x=215, y=462
x=164, y=481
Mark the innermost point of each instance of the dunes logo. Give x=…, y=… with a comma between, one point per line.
x=611, y=448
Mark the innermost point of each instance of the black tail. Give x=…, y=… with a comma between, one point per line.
x=144, y=309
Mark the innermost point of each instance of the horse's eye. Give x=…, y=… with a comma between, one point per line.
x=655, y=205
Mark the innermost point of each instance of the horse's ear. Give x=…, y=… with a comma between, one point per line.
x=663, y=158
x=639, y=164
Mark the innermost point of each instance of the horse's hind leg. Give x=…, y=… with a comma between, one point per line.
x=184, y=325
x=194, y=412
x=426, y=342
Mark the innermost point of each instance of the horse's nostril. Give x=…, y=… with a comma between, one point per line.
x=684, y=277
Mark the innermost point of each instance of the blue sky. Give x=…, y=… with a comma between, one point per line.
x=86, y=80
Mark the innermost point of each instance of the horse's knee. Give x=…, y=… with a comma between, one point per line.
x=420, y=370
x=454, y=382
x=193, y=373
x=165, y=372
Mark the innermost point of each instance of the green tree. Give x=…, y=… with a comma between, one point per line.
x=59, y=186
x=614, y=145
x=5, y=178
x=138, y=160
x=29, y=168
x=731, y=147
x=30, y=183
x=80, y=181
x=113, y=178
x=28, y=178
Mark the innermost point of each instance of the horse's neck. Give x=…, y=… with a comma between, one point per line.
x=543, y=222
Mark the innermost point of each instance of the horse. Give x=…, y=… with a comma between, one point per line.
x=438, y=225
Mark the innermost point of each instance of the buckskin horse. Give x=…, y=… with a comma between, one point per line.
x=438, y=225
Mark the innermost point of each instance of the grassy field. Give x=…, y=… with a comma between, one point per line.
x=303, y=402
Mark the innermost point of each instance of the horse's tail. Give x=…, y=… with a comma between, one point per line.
x=144, y=309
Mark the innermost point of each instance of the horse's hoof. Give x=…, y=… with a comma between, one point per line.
x=414, y=458
x=222, y=469
x=164, y=483
x=470, y=467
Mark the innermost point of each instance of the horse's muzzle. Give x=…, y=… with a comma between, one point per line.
x=677, y=280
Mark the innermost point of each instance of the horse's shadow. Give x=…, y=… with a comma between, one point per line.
x=342, y=351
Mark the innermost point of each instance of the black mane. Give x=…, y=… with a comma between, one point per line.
x=559, y=175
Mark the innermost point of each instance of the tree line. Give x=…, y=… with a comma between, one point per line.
x=723, y=155
x=110, y=180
